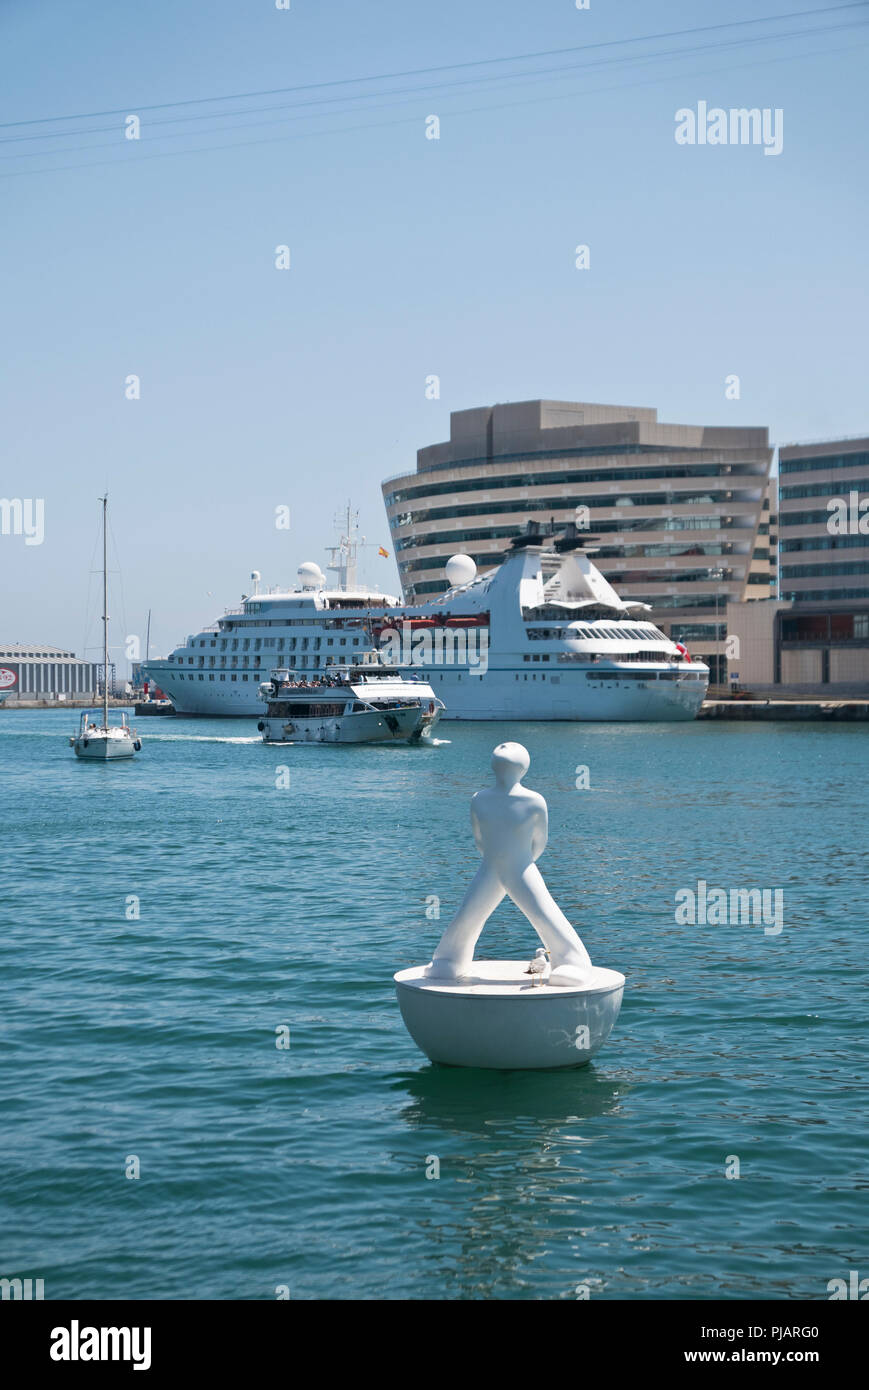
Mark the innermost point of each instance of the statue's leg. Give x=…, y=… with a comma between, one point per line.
x=530, y=894
x=455, y=950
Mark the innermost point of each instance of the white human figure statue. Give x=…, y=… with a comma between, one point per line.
x=510, y=825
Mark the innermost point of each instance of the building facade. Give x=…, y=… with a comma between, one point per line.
x=33, y=671
x=680, y=515
x=781, y=648
x=824, y=521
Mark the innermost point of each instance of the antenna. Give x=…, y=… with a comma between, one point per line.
x=343, y=555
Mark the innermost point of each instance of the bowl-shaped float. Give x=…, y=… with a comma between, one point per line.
x=498, y=1018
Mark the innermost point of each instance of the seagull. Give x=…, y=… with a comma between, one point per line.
x=540, y=966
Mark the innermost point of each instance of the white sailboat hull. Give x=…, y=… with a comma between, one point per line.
x=98, y=747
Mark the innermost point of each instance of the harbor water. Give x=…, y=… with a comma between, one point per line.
x=208, y=1091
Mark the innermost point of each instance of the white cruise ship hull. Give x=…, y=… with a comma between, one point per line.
x=568, y=695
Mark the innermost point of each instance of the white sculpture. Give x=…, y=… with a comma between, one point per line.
x=505, y=1014
x=511, y=826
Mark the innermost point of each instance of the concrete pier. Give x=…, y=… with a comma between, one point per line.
x=785, y=709
x=95, y=703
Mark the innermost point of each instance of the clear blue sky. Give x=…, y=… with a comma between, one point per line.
x=409, y=257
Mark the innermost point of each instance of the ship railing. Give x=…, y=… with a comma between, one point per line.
x=647, y=658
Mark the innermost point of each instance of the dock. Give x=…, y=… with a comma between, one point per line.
x=64, y=704
x=842, y=710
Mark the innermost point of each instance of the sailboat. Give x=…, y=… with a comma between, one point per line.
x=100, y=742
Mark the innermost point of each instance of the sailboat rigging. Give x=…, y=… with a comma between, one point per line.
x=102, y=742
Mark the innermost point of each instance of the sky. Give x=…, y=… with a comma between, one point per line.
x=409, y=257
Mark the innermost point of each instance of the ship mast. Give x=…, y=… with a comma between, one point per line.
x=105, y=621
x=343, y=554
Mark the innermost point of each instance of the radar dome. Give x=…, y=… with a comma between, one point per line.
x=310, y=575
x=460, y=569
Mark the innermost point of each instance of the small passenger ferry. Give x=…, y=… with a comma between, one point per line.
x=369, y=702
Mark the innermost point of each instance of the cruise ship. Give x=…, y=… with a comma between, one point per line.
x=542, y=636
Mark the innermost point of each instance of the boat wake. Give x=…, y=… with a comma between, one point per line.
x=198, y=738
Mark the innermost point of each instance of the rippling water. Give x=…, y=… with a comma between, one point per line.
x=263, y=906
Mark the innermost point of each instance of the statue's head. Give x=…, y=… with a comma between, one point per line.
x=510, y=762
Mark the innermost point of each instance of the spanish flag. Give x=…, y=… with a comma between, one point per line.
x=383, y=552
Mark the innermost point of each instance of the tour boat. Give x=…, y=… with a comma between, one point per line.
x=365, y=703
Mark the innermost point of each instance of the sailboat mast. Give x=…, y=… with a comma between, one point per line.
x=105, y=621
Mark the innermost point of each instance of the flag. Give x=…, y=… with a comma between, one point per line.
x=383, y=552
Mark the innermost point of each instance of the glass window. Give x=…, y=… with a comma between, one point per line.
x=806, y=628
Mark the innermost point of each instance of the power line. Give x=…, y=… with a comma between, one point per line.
x=565, y=70
x=408, y=120
x=445, y=67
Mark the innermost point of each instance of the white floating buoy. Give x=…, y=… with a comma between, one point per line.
x=557, y=1012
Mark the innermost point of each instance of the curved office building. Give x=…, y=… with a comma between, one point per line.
x=679, y=514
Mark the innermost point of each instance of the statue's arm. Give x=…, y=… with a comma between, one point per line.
x=540, y=834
